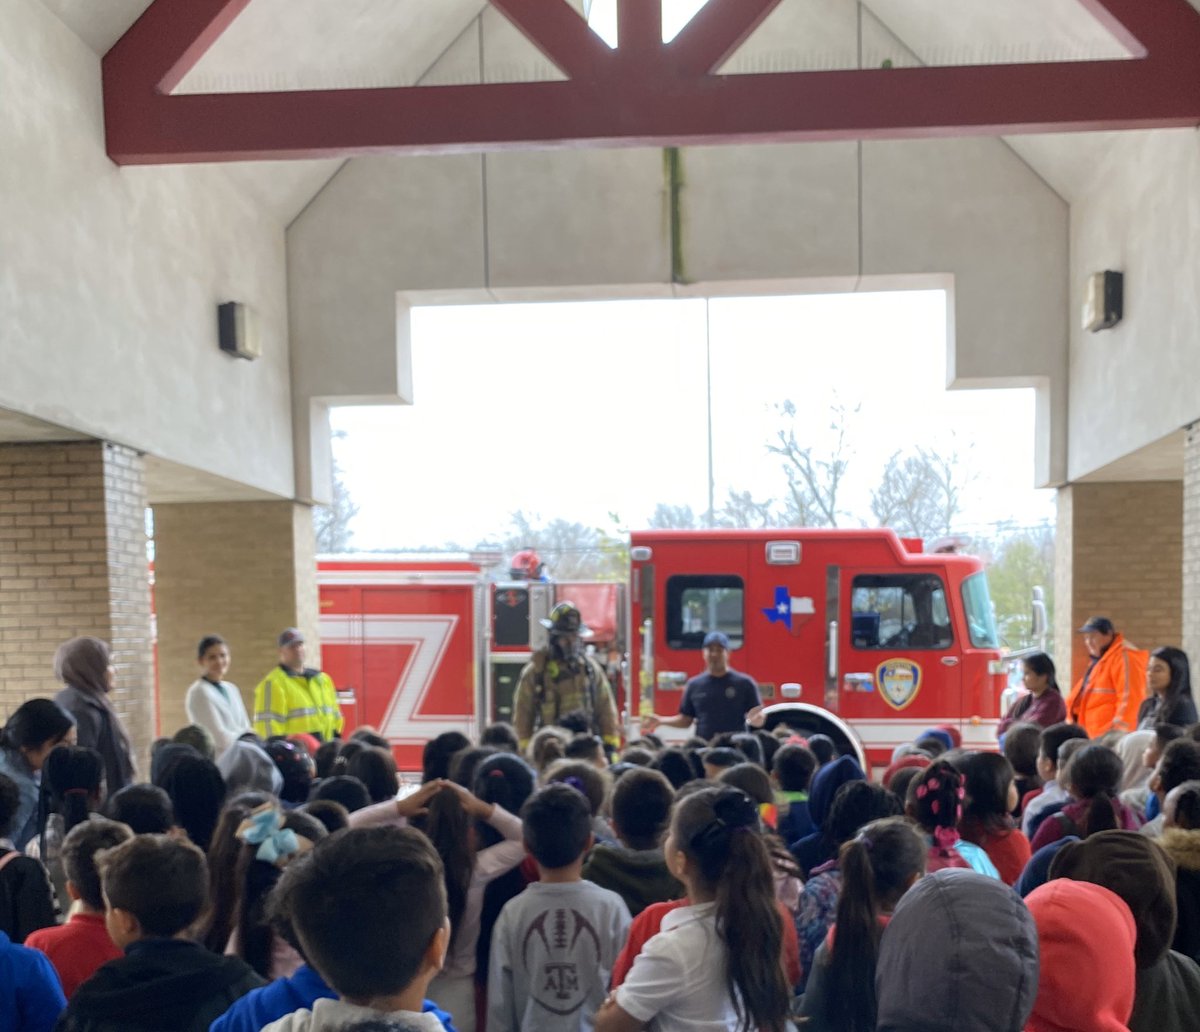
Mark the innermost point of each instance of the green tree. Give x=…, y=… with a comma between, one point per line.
x=1021, y=561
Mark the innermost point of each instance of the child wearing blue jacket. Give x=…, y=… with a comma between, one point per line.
x=30, y=994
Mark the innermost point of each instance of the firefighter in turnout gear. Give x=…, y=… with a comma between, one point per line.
x=294, y=699
x=562, y=679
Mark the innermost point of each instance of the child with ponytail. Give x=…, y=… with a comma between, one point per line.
x=270, y=840
x=878, y=866
x=935, y=804
x=990, y=784
x=715, y=964
x=1093, y=780
x=467, y=870
x=70, y=795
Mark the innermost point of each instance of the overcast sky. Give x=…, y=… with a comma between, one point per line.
x=578, y=410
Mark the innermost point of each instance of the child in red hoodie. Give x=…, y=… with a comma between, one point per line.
x=1086, y=937
x=79, y=947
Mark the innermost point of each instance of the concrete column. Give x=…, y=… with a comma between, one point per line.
x=73, y=561
x=1191, y=547
x=243, y=570
x=1119, y=553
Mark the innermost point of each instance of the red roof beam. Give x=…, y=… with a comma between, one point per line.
x=639, y=32
x=841, y=105
x=168, y=40
x=659, y=100
x=716, y=32
x=560, y=33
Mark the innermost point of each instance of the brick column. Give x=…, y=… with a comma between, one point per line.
x=1191, y=549
x=73, y=561
x=243, y=570
x=1119, y=553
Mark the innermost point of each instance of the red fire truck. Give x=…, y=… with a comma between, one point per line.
x=857, y=634
x=853, y=633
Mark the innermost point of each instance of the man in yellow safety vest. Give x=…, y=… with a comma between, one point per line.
x=294, y=699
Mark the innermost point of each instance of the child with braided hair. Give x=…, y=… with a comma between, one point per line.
x=935, y=804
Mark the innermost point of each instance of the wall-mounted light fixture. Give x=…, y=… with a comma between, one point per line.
x=237, y=331
x=1103, y=301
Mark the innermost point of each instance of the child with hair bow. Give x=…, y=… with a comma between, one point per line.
x=935, y=804
x=270, y=840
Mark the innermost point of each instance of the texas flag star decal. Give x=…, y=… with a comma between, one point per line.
x=789, y=610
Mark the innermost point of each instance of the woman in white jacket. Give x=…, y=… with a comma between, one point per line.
x=214, y=703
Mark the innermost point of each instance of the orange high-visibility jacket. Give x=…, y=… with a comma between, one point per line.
x=1114, y=691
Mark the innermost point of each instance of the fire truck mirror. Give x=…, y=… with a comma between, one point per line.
x=1039, y=621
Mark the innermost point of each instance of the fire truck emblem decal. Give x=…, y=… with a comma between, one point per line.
x=428, y=634
x=899, y=681
x=789, y=610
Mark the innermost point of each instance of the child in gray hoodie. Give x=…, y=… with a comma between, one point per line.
x=554, y=945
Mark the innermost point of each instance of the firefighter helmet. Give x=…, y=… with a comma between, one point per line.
x=526, y=565
x=565, y=618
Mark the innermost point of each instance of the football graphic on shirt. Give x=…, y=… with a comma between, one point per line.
x=561, y=952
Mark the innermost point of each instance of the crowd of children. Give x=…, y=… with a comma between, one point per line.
x=759, y=882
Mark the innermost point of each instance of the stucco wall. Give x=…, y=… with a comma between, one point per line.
x=1136, y=383
x=969, y=214
x=109, y=278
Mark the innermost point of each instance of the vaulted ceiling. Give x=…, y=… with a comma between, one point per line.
x=328, y=44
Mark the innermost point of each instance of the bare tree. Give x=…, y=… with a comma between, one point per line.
x=672, y=517
x=921, y=493
x=813, y=479
x=332, y=522
x=571, y=551
x=741, y=510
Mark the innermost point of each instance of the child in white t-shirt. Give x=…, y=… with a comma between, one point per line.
x=714, y=966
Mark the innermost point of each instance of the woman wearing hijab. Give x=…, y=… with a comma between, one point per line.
x=1135, y=782
x=84, y=666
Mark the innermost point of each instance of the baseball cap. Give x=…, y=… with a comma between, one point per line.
x=1100, y=624
x=716, y=638
x=290, y=637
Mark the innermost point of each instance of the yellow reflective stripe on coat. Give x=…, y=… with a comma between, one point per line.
x=290, y=704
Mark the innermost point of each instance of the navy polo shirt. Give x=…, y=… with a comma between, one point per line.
x=719, y=704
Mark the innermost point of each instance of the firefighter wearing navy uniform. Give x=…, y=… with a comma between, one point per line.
x=562, y=679
x=294, y=699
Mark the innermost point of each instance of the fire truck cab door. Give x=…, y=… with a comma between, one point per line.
x=899, y=663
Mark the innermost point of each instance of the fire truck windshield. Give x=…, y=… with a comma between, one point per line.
x=981, y=621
